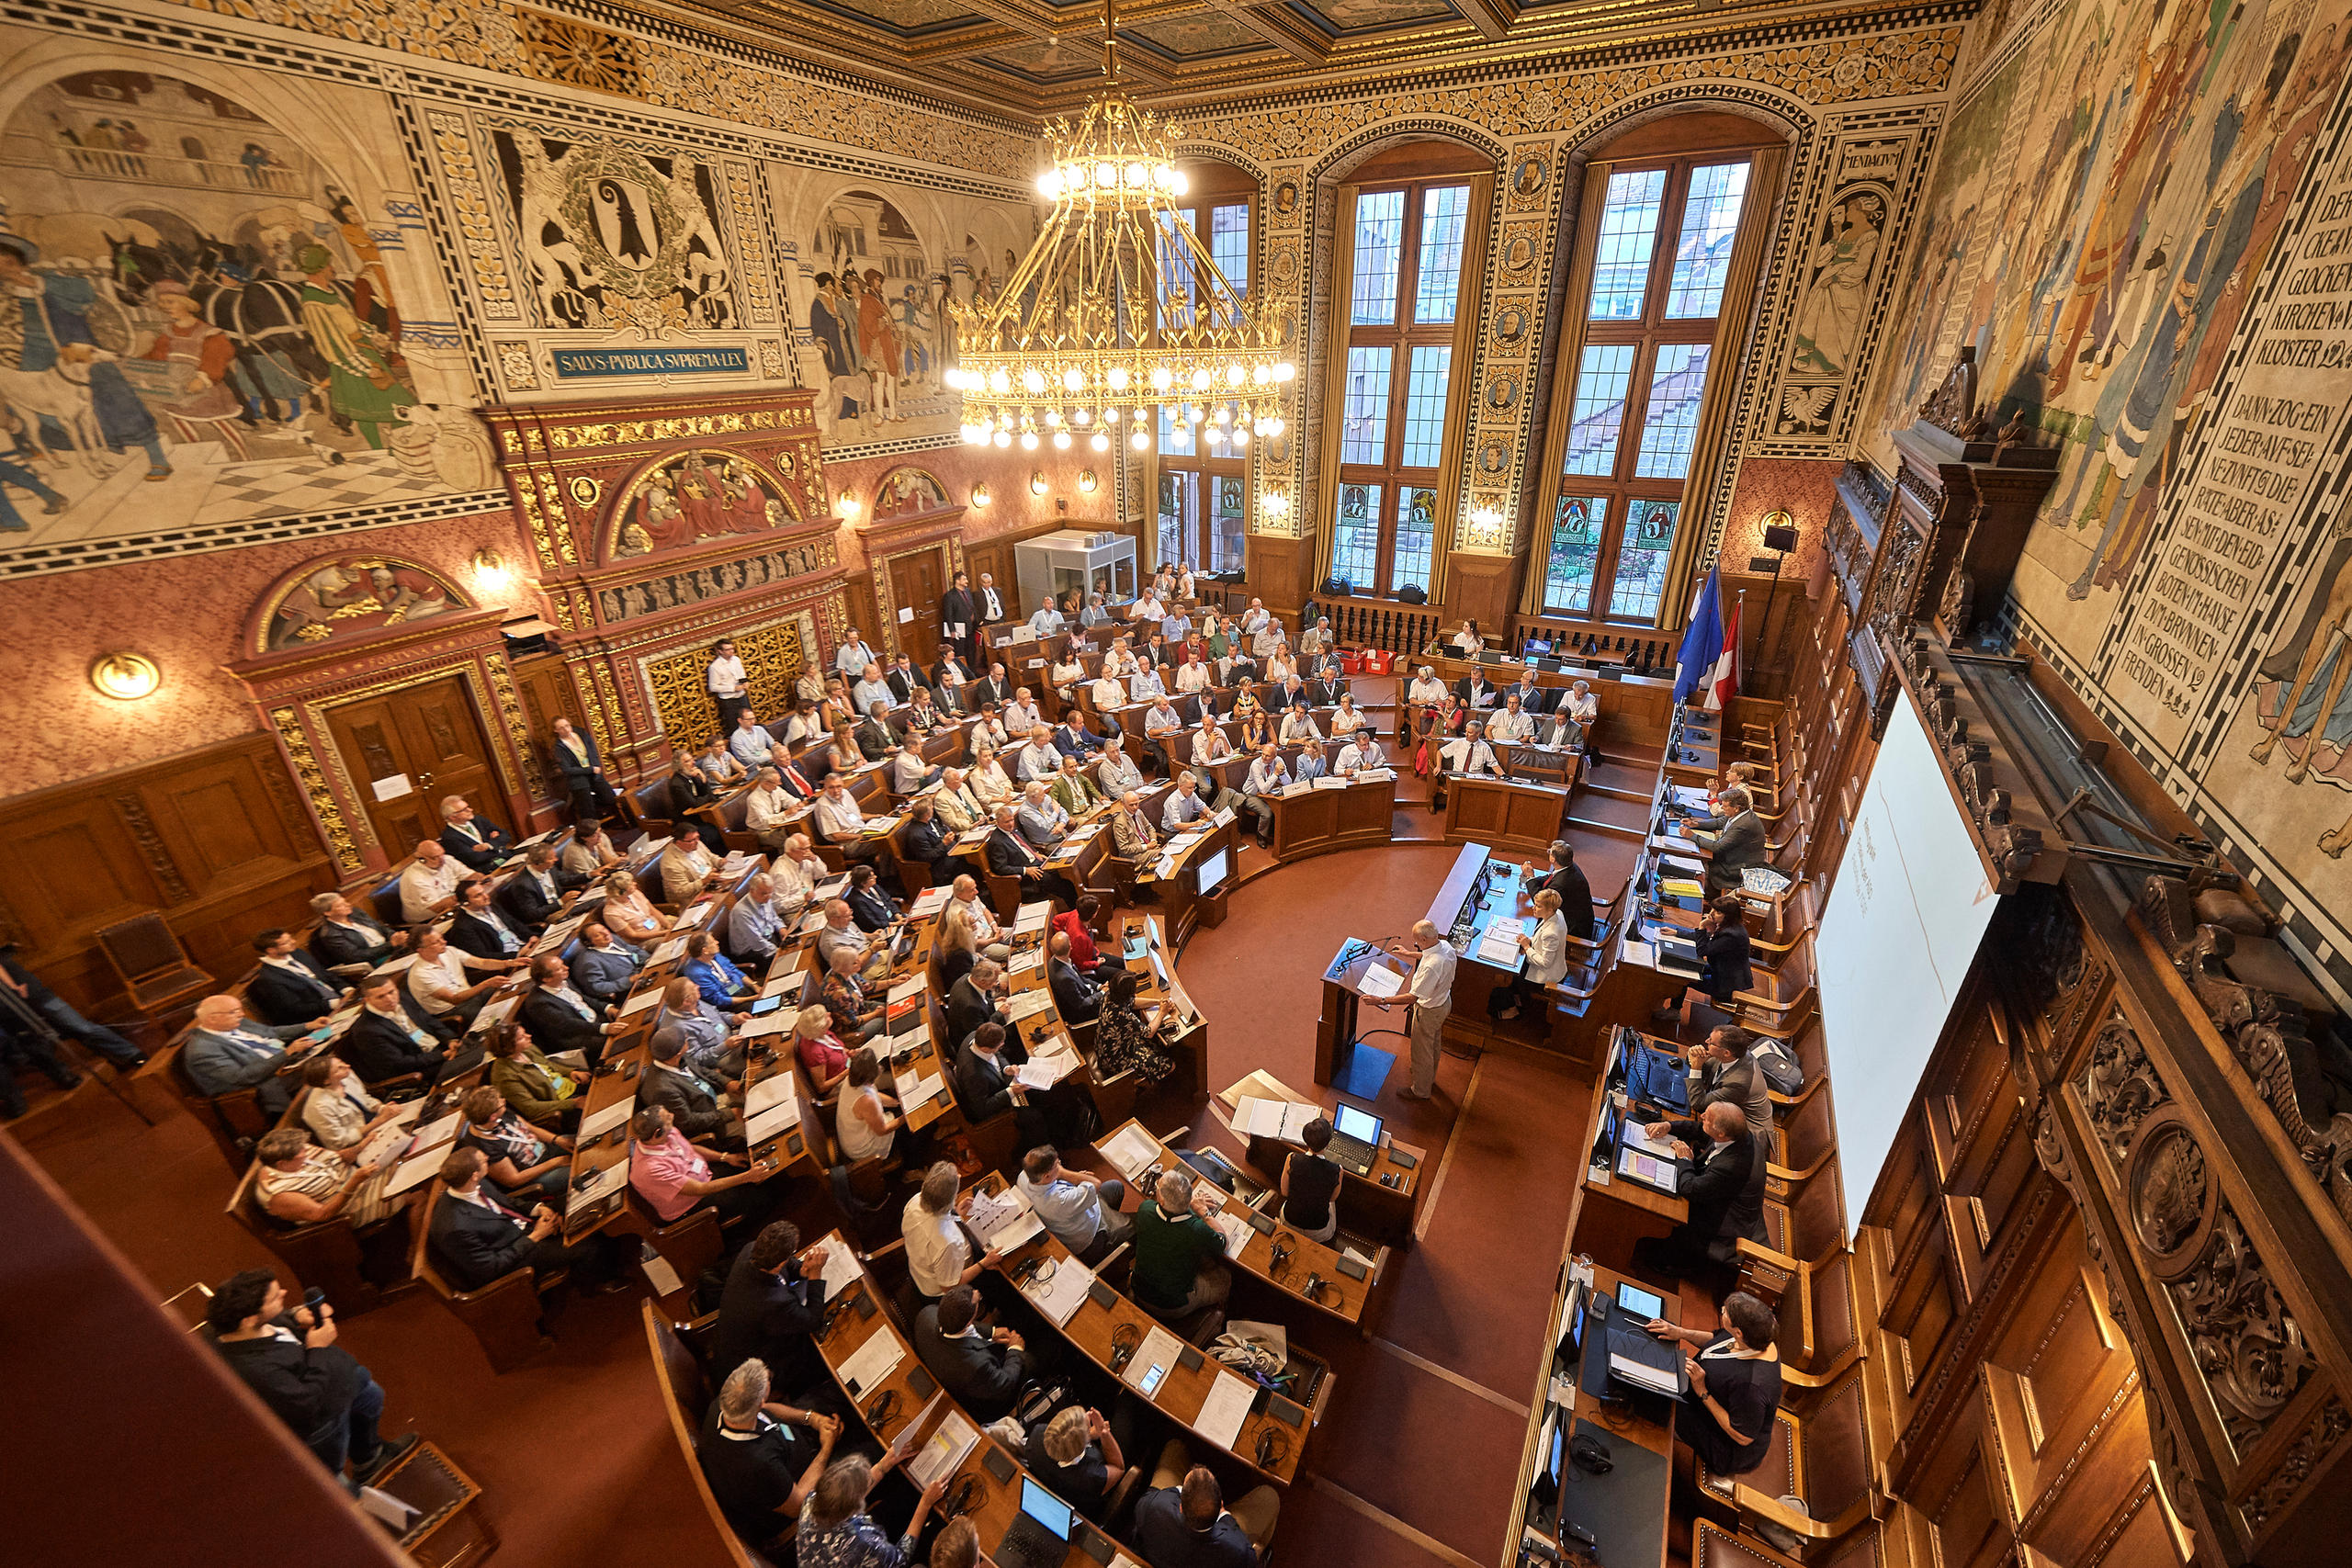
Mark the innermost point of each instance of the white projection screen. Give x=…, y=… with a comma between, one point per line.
x=1906, y=914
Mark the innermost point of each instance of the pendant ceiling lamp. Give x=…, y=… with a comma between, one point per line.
x=1118, y=309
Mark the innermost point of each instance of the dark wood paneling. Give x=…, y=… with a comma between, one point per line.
x=1277, y=569
x=217, y=838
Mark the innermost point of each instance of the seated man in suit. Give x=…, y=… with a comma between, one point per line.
x=690, y=796
x=479, y=927
x=1722, y=1069
x=388, y=1039
x=974, y=1000
x=1568, y=879
x=711, y=1048
x=686, y=866
x=1077, y=997
x=290, y=985
x=981, y=1371
x=923, y=840
x=330, y=1402
x=985, y=1085
x=478, y=1235
x=1477, y=690
x=771, y=1307
x=346, y=936
x=720, y=984
x=482, y=844
x=1182, y=1520
x=1733, y=840
x=1723, y=1180
x=1072, y=738
x=1072, y=790
x=226, y=1052
x=604, y=968
x=1133, y=836
x=693, y=1104
x=1008, y=854
x=534, y=894
x=559, y=1015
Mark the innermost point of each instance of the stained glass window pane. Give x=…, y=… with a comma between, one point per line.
x=1355, y=536
x=1621, y=265
x=1380, y=253
x=1229, y=243
x=1597, y=416
x=1231, y=521
x=1575, y=546
x=1678, y=385
x=1445, y=213
x=1179, y=510
x=1641, y=559
x=1363, y=430
x=1175, y=272
x=1425, y=406
x=1703, y=255
x=1415, y=538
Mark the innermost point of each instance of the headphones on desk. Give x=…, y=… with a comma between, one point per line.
x=1272, y=1447
x=1125, y=1340
x=878, y=1413
x=1285, y=1246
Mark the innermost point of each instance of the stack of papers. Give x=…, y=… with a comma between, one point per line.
x=644, y=1000
x=1028, y=1004
x=1025, y=962
x=1237, y=1233
x=1132, y=1151
x=871, y=1363
x=605, y=1182
x=918, y=1093
x=1060, y=1297
x=1380, y=981
x=1642, y=1374
x=842, y=1269
x=1499, y=944
x=1154, y=1360
x=1048, y=1067
x=1033, y=917
x=1004, y=1221
x=696, y=916
x=930, y=902
x=775, y=1022
x=612, y=1116
x=1282, y=1120
x=667, y=950
x=947, y=1449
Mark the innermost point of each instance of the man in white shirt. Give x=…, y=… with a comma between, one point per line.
x=1362, y=753
x=442, y=980
x=752, y=744
x=725, y=679
x=1021, y=715
x=1039, y=759
x=1255, y=618
x=872, y=693
x=1209, y=745
x=1266, y=639
x=840, y=822
x=908, y=771
x=1109, y=696
x=429, y=885
x=1583, y=704
x=1267, y=778
x=1298, y=725
x=796, y=874
x=1146, y=684
x=1148, y=607
x=1161, y=721
x=685, y=866
x=938, y=1255
x=1047, y=622
x=1186, y=803
x=853, y=656
x=1430, y=995
x=1041, y=819
x=1120, y=660
x=1512, y=727
x=992, y=603
x=964, y=894
x=767, y=809
x=1471, y=754
x=1117, y=774
x=1427, y=690
x=1195, y=676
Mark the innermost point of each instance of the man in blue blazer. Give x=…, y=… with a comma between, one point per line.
x=227, y=1051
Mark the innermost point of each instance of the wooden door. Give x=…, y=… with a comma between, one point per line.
x=429, y=733
x=916, y=583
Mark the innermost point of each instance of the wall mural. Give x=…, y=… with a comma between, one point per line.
x=344, y=597
x=700, y=496
x=2137, y=225
x=615, y=240
x=211, y=317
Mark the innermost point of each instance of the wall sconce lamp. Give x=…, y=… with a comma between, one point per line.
x=125, y=677
x=1275, y=504
x=1487, y=520
x=492, y=574
x=846, y=507
x=979, y=495
x=1037, y=485
x=1087, y=481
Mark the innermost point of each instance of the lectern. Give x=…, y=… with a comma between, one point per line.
x=1339, y=1057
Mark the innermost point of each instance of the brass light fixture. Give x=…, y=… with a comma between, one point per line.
x=125, y=677
x=1118, y=308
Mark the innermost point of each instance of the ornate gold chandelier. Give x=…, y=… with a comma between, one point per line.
x=1118, y=309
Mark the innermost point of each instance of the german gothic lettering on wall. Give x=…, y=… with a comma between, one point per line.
x=2138, y=226
x=214, y=315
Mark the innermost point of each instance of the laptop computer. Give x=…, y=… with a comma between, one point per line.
x=1655, y=1078
x=1039, y=1537
x=1356, y=1139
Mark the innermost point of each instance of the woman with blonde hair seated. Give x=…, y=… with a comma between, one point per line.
x=987, y=777
x=628, y=913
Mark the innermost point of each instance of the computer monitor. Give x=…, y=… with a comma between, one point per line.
x=1044, y=1508
x=1351, y=1122
x=1536, y=645
x=1215, y=867
x=1643, y=1304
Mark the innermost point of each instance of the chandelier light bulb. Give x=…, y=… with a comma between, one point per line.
x=1140, y=440
x=1106, y=175
x=1032, y=382
x=1049, y=184
x=1053, y=416
x=1082, y=416
x=1240, y=439
x=1138, y=176
x=1161, y=380
x=1177, y=183
x=1110, y=416
x=1197, y=413
x=1232, y=374
x=1003, y=438
x=1201, y=381
x=999, y=382
x=1224, y=414
x=1072, y=379
x=1140, y=415
x=1101, y=442
x=1028, y=441
x=1117, y=378
x=1285, y=370
x=1061, y=440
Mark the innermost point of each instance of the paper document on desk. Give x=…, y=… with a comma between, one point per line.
x=774, y=1022
x=1225, y=1410
x=605, y=1182
x=777, y=1085
x=1060, y=1297
x=433, y=1135
x=1028, y=1004
x=1642, y=1374
x=1637, y=1139
x=393, y=966
x=1048, y=1068
x=643, y=1001
x=871, y=1363
x=774, y=1120
x=1005, y=1222
x=1283, y=1120
x=1033, y=917
x=696, y=916
x=842, y=1269
x=1157, y=1355
x=789, y=981
x=1380, y=981
x=946, y=1448
x=1132, y=1151
x=1680, y=888
x=907, y=990
x=832, y=888
x=667, y=953
x=1025, y=962
x=918, y=1094
x=974, y=838
x=929, y=902
x=1683, y=866
x=612, y=1116
x=1647, y=1167
x=1235, y=1231
x=413, y=1171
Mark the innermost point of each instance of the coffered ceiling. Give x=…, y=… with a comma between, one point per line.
x=1034, y=57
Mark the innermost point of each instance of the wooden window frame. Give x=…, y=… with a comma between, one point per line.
x=1209, y=185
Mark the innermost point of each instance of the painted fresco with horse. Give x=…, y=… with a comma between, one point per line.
x=208, y=335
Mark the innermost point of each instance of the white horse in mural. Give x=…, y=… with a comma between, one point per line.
x=64, y=397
